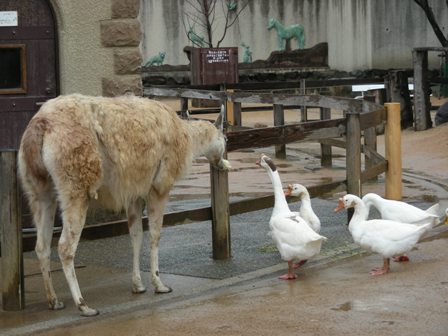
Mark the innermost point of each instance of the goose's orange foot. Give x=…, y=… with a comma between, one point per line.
x=378, y=271
x=402, y=258
x=288, y=277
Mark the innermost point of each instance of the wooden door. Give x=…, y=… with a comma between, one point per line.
x=28, y=64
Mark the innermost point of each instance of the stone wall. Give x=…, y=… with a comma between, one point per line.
x=123, y=34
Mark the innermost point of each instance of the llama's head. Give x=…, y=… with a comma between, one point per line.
x=216, y=151
x=215, y=143
x=271, y=23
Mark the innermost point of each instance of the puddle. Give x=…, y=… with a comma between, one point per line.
x=347, y=306
x=357, y=305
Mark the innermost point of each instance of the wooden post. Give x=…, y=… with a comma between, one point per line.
x=353, y=155
x=229, y=108
x=237, y=114
x=13, y=294
x=422, y=104
x=398, y=91
x=393, y=151
x=183, y=107
x=370, y=141
x=303, y=109
x=220, y=213
x=325, y=158
x=279, y=120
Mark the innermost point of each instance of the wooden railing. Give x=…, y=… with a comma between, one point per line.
x=359, y=121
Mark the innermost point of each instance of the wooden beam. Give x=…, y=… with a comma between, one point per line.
x=393, y=152
x=421, y=90
x=279, y=120
x=269, y=136
x=220, y=214
x=353, y=155
x=325, y=150
x=13, y=293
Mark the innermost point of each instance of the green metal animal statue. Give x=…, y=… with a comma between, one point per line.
x=285, y=34
x=197, y=40
x=156, y=60
x=247, y=56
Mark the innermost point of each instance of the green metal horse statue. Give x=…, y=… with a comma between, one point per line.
x=285, y=34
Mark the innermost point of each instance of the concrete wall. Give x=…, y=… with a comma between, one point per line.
x=96, y=38
x=361, y=34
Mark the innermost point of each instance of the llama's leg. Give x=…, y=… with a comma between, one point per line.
x=156, y=208
x=43, y=208
x=74, y=216
x=136, y=233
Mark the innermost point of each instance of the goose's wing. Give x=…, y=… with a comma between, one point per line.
x=406, y=213
x=387, y=237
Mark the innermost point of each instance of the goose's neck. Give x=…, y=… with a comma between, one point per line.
x=361, y=213
x=305, y=203
x=279, y=196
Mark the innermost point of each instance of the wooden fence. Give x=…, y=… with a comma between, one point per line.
x=355, y=132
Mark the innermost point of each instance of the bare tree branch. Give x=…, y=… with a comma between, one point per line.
x=432, y=20
x=202, y=13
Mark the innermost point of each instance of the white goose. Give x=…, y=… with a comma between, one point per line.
x=291, y=234
x=389, y=238
x=306, y=210
x=402, y=212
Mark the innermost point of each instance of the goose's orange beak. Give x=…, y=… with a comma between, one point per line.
x=288, y=191
x=340, y=205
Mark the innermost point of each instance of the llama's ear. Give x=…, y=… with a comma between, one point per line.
x=219, y=123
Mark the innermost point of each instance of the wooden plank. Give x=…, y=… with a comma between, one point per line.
x=269, y=136
x=185, y=93
x=279, y=120
x=373, y=171
x=334, y=142
x=370, y=119
x=13, y=293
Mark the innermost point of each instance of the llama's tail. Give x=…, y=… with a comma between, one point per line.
x=31, y=162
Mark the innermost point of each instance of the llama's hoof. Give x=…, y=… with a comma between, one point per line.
x=88, y=312
x=164, y=290
x=138, y=290
x=56, y=305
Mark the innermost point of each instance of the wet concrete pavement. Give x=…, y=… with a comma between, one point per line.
x=333, y=293
x=335, y=297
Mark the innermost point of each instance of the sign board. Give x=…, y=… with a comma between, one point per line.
x=8, y=19
x=218, y=56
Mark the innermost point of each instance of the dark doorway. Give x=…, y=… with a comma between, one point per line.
x=28, y=64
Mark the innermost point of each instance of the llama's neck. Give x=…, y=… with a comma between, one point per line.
x=280, y=204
